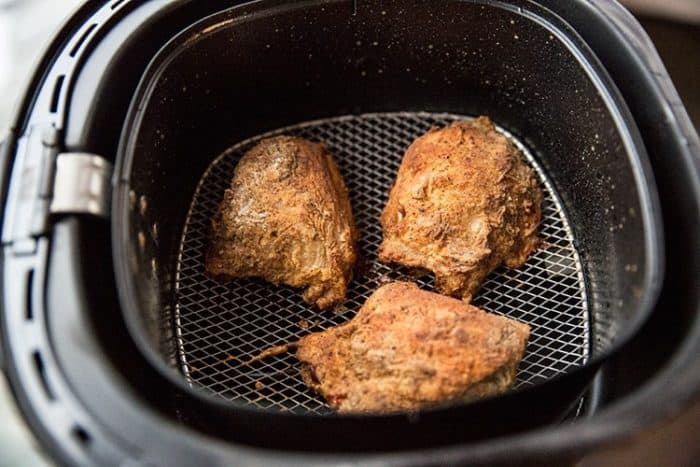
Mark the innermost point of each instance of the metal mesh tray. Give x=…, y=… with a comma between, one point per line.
x=216, y=321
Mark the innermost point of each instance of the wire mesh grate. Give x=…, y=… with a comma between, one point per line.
x=219, y=324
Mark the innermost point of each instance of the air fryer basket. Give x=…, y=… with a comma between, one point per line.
x=367, y=77
x=213, y=321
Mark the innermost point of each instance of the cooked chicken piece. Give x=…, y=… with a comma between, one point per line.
x=286, y=218
x=464, y=202
x=408, y=348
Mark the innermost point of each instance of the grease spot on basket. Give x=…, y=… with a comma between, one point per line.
x=143, y=205
x=340, y=310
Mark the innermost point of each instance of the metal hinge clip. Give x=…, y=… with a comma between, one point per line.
x=81, y=185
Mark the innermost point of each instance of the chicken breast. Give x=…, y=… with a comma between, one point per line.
x=287, y=219
x=408, y=348
x=464, y=202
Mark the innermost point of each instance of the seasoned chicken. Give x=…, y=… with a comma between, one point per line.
x=464, y=202
x=408, y=348
x=286, y=218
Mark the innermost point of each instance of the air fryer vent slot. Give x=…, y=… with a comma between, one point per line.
x=81, y=41
x=81, y=435
x=116, y=4
x=56, y=96
x=41, y=373
x=29, y=294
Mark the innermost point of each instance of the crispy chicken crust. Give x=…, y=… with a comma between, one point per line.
x=286, y=218
x=464, y=202
x=408, y=348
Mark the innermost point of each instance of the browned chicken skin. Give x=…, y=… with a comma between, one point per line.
x=286, y=218
x=407, y=349
x=464, y=202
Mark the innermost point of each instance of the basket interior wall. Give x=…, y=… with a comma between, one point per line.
x=253, y=69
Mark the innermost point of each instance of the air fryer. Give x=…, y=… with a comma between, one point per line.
x=111, y=325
